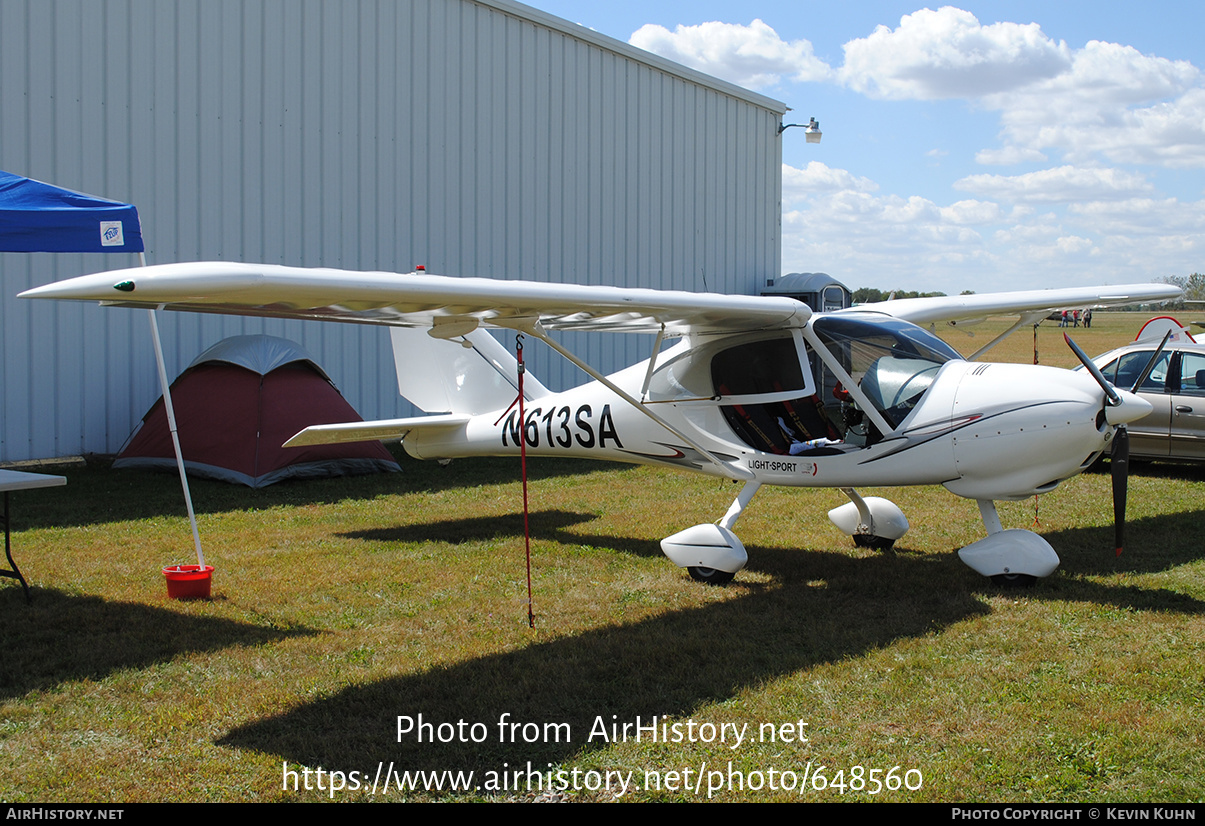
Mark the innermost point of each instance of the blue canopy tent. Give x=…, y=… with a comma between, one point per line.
x=38, y=217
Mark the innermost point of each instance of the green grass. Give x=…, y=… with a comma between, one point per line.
x=340, y=605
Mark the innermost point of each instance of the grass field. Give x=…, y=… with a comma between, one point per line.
x=341, y=605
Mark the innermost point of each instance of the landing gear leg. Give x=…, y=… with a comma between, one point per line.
x=742, y=500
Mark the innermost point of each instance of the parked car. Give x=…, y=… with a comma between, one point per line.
x=1176, y=388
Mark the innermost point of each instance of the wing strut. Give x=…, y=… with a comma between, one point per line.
x=1026, y=318
x=648, y=374
x=731, y=471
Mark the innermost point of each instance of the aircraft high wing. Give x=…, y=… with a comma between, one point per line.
x=420, y=300
x=756, y=389
x=944, y=309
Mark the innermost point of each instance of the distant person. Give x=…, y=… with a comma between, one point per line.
x=1087, y=318
x=1075, y=319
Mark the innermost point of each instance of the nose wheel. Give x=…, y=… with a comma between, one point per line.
x=875, y=543
x=1010, y=559
x=710, y=576
x=1014, y=580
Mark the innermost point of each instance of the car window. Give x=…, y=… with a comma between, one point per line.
x=1192, y=374
x=1125, y=371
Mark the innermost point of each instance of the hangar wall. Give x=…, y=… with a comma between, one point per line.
x=475, y=137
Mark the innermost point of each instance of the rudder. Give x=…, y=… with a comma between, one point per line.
x=445, y=376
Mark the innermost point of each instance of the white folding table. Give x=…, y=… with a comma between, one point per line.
x=11, y=480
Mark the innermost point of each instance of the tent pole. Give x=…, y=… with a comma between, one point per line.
x=171, y=425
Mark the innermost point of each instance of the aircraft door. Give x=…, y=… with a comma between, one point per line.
x=767, y=394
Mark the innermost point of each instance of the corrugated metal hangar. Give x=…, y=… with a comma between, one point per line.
x=475, y=137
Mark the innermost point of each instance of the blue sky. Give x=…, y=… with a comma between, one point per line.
x=983, y=146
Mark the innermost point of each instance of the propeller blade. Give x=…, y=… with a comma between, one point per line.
x=1119, y=458
x=1119, y=463
x=1110, y=392
x=1150, y=365
x=1118, y=411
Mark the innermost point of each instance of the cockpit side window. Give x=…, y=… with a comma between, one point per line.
x=759, y=367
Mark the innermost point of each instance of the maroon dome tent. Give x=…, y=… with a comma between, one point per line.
x=237, y=403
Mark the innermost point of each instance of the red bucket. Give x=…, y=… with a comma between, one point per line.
x=188, y=581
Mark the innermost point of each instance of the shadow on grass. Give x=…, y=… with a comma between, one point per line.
x=548, y=525
x=59, y=637
x=1152, y=544
x=821, y=608
x=98, y=494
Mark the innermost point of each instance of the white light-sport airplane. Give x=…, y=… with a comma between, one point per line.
x=757, y=389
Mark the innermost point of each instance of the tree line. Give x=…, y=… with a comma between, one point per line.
x=1193, y=286
x=869, y=295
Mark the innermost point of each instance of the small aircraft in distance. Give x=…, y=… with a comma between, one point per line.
x=756, y=389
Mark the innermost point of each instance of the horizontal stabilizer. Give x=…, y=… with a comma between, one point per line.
x=386, y=430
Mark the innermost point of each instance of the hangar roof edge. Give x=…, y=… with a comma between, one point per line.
x=611, y=44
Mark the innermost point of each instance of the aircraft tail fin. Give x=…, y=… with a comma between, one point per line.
x=1154, y=329
x=467, y=375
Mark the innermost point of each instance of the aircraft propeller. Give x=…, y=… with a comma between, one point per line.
x=1118, y=412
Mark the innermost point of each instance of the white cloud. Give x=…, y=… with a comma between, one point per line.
x=1143, y=216
x=1101, y=111
x=799, y=184
x=973, y=213
x=1043, y=229
x=1008, y=155
x=1112, y=75
x=845, y=227
x=841, y=226
x=948, y=54
x=1063, y=184
x=1105, y=100
x=753, y=56
x=1113, y=102
x=1073, y=245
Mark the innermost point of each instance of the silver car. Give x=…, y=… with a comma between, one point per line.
x=1176, y=388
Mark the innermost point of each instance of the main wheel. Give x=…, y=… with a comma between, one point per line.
x=710, y=576
x=1014, y=580
x=878, y=543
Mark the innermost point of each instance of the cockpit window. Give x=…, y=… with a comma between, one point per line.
x=893, y=361
x=758, y=367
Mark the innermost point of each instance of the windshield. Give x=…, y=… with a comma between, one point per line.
x=894, y=362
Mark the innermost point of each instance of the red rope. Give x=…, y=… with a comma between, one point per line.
x=1036, y=523
x=531, y=617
